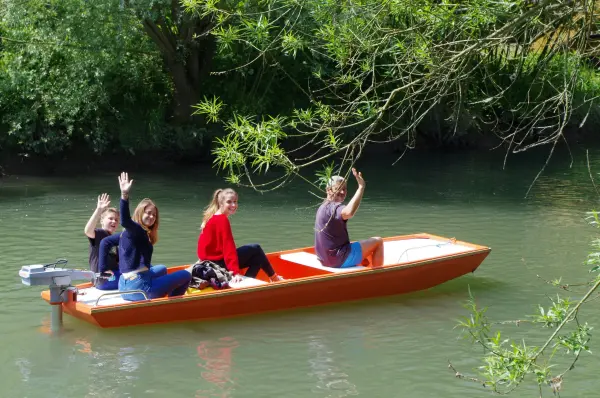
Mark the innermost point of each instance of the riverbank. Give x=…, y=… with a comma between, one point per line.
x=82, y=160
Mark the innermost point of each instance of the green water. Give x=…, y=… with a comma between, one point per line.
x=391, y=347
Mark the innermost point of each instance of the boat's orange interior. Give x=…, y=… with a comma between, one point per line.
x=285, y=268
x=296, y=270
x=292, y=270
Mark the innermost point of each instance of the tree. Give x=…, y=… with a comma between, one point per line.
x=96, y=69
x=185, y=44
x=74, y=71
x=405, y=71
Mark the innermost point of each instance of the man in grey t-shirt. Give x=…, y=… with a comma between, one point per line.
x=332, y=243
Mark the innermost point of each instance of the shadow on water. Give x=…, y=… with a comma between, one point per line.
x=13, y=189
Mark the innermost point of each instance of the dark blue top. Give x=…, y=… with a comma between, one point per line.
x=105, y=261
x=112, y=261
x=135, y=249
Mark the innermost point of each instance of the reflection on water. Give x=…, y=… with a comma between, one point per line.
x=85, y=348
x=129, y=361
x=216, y=362
x=330, y=379
x=109, y=370
x=24, y=367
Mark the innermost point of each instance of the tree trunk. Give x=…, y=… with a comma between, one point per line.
x=187, y=60
x=186, y=94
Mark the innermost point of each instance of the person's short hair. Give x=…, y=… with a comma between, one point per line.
x=335, y=181
x=110, y=210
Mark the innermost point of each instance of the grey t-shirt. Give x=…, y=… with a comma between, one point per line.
x=332, y=243
x=113, y=261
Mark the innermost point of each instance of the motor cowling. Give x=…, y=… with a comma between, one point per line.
x=43, y=275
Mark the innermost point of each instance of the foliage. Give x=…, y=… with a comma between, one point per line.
x=211, y=108
x=331, y=76
x=74, y=71
x=399, y=70
x=112, y=74
x=507, y=364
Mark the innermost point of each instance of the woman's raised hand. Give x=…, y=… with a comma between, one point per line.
x=103, y=201
x=125, y=184
x=359, y=178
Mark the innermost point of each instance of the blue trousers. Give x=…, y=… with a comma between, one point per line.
x=156, y=283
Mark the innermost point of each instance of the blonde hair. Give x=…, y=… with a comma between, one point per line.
x=333, y=185
x=335, y=181
x=110, y=210
x=137, y=217
x=215, y=204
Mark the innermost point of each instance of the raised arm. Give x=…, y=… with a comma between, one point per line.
x=125, y=186
x=350, y=210
x=105, y=245
x=90, y=227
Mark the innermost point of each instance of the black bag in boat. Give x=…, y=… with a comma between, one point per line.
x=206, y=272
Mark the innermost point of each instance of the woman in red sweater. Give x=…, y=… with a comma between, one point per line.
x=216, y=243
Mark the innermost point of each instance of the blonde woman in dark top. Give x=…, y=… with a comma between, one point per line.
x=136, y=245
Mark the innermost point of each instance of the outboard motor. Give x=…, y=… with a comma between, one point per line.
x=59, y=282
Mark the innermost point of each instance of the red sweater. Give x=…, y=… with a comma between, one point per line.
x=216, y=243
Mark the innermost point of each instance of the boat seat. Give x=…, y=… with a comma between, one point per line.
x=311, y=260
x=247, y=282
x=90, y=295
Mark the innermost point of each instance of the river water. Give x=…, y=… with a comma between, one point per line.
x=391, y=347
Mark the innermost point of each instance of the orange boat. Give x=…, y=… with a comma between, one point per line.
x=412, y=262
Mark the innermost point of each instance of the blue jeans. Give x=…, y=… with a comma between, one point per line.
x=156, y=283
